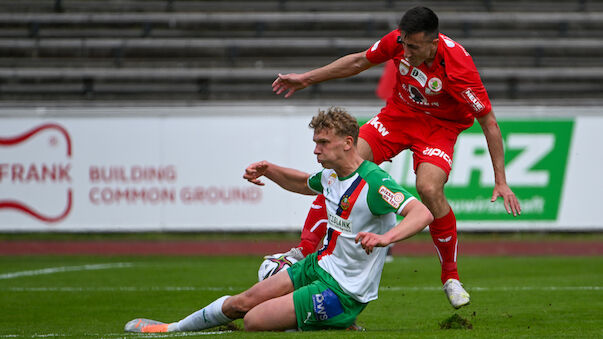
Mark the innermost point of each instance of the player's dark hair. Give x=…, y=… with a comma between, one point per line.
x=420, y=19
x=337, y=118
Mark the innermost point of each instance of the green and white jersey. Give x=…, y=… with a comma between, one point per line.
x=365, y=201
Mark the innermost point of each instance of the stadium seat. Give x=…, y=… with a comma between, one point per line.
x=223, y=50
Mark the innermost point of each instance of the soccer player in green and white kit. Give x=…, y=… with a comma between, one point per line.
x=329, y=288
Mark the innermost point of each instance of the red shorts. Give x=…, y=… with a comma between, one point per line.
x=430, y=139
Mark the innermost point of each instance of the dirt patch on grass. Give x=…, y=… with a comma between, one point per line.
x=455, y=322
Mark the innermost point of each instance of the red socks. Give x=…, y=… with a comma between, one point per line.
x=315, y=226
x=443, y=233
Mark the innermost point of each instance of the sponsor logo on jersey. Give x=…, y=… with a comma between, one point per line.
x=472, y=99
x=332, y=179
x=378, y=126
x=404, y=67
x=434, y=84
x=339, y=223
x=436, y=152
x=449, y=42
x=394, y=199
x=419, y=76
x=375, y=45
x=417, y=96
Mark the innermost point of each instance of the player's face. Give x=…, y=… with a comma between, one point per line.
x=330, y=148
x=418, y=48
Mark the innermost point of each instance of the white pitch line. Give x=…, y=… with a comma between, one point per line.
x=49, y=335
x=230, y=289
x=119, y=335
x=500, y=288
x=163, y=335
x=52, y=270
x=119, y=289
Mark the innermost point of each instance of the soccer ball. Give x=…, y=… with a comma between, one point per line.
x=274, y=264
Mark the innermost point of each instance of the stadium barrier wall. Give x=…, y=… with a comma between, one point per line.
x=180, y=169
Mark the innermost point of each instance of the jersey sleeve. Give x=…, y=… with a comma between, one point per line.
x=384, y=49
x=386, y=195
x=315, y=182
x=464, y=82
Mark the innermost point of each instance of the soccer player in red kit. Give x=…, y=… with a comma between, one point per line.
x=438, y=93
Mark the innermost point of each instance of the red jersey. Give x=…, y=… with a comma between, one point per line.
x=450, y=90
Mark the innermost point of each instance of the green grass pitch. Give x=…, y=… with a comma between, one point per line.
x=93, y=297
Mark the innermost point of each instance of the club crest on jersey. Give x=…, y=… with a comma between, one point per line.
x=434, y=84
x=344, y=203
x=394, y=199
x=404, y=67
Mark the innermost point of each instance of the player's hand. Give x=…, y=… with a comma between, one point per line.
x=254, y=171
x=368, y=241
x=288, y=82
x=510, y=200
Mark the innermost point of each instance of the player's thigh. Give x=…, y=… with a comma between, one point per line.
x=320, y=306
x=434, y=145
x=272, y=315
x=275, y=286
x=384, y=137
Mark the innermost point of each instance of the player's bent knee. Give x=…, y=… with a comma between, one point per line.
x=240, y=304
x=428, y=190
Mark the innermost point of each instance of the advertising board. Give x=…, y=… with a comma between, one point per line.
x=147, y=170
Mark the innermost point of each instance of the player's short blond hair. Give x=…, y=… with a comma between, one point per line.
x=337, y=118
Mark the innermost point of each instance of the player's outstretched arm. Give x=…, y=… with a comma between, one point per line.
x=343, y=67
x=495, y=147
x=288, y=178
x=416, y=217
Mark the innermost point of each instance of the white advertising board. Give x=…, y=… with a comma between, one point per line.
x=158, y=169
x=126, y=174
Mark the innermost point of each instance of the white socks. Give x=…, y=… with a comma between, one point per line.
x=207, y=317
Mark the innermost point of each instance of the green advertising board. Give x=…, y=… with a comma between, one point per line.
x=536, y=158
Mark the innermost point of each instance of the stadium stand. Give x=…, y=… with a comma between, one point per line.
x=201, y=51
